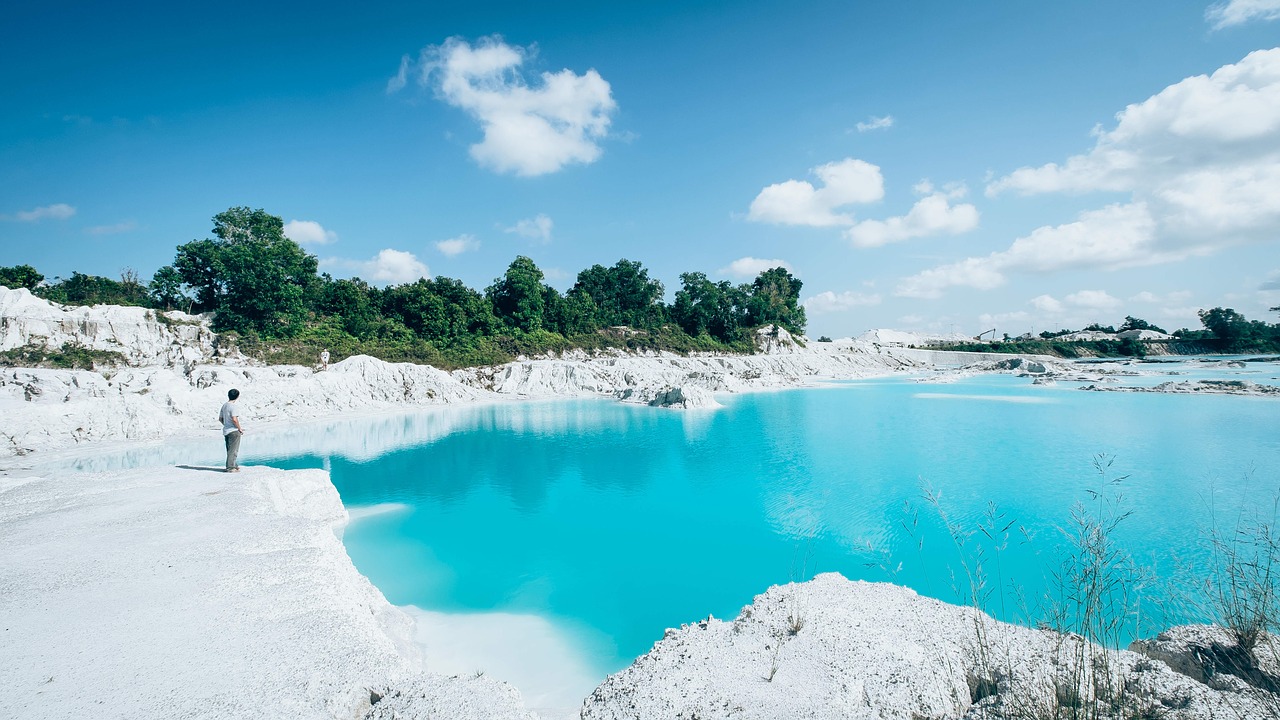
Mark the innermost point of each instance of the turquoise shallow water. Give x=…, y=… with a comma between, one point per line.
x=620, y=521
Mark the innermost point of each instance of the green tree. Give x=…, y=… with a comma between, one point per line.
x=623, y=294
x=354, y=302
x=165, y=288
x=1133, y=323
x=1226, y=325
x=251, y=274
x=82, y=289
x=20, y=276
x=775, y=299
x=517, y=297
x=702, y=306
x=576, y=314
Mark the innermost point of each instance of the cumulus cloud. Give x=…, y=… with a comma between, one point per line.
x=798, y=202
x=1200, y=161
x=931, y=215
x=529, y=129
x=1114, y=237
x=387, y=267
x=1047, y=304
x=535, y=228
x=57, y=211
x=826, y=302
x=309, y=232
x=458, y=245
x=1093, y=300
x=116, y=229
x=875, y=123
x=1238, y=12
x=750, y=267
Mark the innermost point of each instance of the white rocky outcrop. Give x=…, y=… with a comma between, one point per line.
x=684, y=397
x=136, y=333
x=176, y=377
x=1210, y=387
x=169, y=592
x=831, y=648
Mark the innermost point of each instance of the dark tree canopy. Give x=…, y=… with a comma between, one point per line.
x=81, y=289
x=1226, y=324
x=717, y=309
x=518, y=297
x=1133, y=323
x=623, y=294
x=255, y=277
x=20, y=276
x=165, y=289
x=775, y=299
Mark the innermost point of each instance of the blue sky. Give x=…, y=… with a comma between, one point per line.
x=920, y=165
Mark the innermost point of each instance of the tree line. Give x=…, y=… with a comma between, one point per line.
x=266, y=293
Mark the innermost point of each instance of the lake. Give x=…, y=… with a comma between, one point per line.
x=553, y=542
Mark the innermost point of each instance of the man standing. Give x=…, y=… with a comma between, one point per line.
x=231, y=429
x=324, y=359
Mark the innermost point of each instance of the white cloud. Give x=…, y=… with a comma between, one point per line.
x=798, y=202
x=1047, y=303
x=309, y=232
x=826, y=302
x=388, y=266
x=1272, y=282
x=535, y=228
x=57, y=211
x=1152, y=298
x=458, y=245
x=931, y=215
x=1237, y=12
x=1115, y=237
x=116, y=229
x=750, y=267
x=528, y=130
x=999, y=320
x=1203, y=155
x=875, y=123
x=1093, y=300
x=1200, y=159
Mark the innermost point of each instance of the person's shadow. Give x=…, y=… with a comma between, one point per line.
x=202, y=467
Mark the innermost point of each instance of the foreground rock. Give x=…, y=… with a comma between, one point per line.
x=831, y=648
x=186, y=593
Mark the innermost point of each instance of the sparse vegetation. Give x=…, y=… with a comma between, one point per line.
x=68, y=357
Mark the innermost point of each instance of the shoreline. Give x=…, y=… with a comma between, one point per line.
x=413, y=403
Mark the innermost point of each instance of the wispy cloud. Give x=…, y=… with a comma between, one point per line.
x=1238, y=12
x=875, y=123
x=309, y=232
x=458, y=245
x=537, y=228
x=57, y=211
x=116, y=229
x=528, y=129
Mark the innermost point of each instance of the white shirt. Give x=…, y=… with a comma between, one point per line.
x=228, y=414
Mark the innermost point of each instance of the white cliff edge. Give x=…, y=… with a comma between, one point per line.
x=170, y=592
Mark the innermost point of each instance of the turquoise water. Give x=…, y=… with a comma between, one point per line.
x=621, y=521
